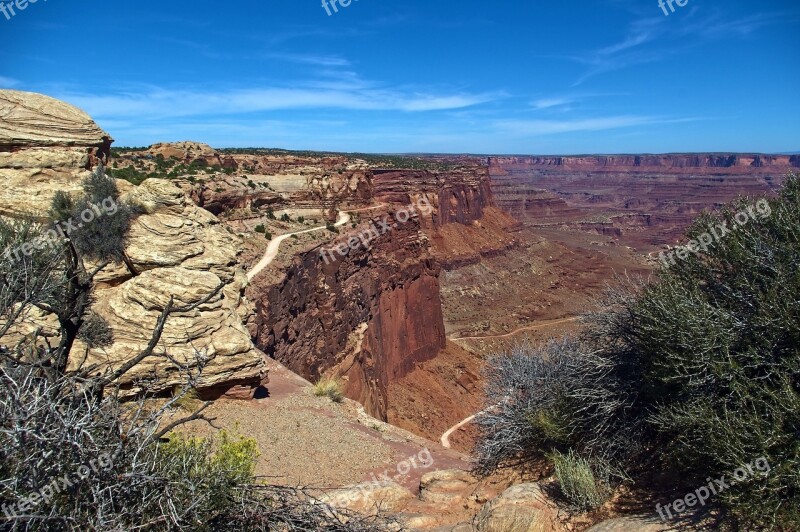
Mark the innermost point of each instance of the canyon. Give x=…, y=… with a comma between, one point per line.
x=512, y=249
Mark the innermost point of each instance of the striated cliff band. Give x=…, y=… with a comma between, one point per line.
x=647, y=199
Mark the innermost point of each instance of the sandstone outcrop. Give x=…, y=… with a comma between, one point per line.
x=370, y=498
x=175, y=250
x=463, y=224
x=521, y=508
x=446, y=486
x=633, y=524
x=45, y=145
x=183, y=252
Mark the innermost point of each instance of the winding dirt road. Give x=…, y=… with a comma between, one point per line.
x=517, y=331
x=274, y=245
x=445, y=439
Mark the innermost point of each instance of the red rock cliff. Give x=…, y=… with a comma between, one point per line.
x=368, y=316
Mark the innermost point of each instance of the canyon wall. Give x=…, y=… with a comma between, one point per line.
x=648, y=198
x=459, y=196
x=373, y=314
x=368, y=316
x=464, y=224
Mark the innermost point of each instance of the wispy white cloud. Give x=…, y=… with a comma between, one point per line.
x=694, y=28
x=568, y=101
x=158, y=103
x=549, y=103
x=311, y=59
x=551, y=127
x=8, y=83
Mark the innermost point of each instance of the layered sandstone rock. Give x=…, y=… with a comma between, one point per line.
x=463, y=224
x=521, y=508
x=186, y=152
x=45, y=145
x=370, y=498
x=635, y=524
x=222, y=182
x=175, y=250
x=182, y=252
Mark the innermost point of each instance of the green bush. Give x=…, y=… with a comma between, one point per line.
x=260, y=228
x=104, y=237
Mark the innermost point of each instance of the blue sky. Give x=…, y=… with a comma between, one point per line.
x=509, y=76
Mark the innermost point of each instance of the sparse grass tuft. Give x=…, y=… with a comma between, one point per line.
x=578, y=482
x=331, y=388
x=188, y=400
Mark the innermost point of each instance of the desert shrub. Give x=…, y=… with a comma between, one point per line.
x=186, y=398
x=690, y=376
x=578, y=482
x=62, y=206
x=286, y=218
x=218, y=465
x=331, y=227
x=103, y=237
x=554, y=397
x=270, y=214
x=95, y=331
x=131, y=175
x=260, y=228
x=301, y=219
x=331, y=388
x=717, y=342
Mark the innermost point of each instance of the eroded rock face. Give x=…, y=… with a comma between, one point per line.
x=632, y=524
x=457, y=197
x=446, y=486
x=368, y=316
x=182, y=252
x=647, y=199
x=45, y=145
